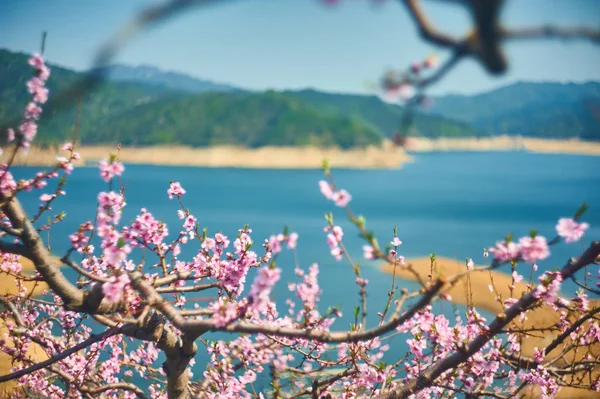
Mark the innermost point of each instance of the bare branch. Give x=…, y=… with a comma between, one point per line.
x=12, y=248
x=426, y=29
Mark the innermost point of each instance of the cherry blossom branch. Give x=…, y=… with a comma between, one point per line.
x=200, y=326
x=193, y=288
x=427, y=377
x=560, y=339
x=59, y=356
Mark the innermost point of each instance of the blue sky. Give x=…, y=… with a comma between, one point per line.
x=292, y=44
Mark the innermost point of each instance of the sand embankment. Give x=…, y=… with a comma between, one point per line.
x=505, y=143
x=385, y=157
x=476, y=291
x=8, y=287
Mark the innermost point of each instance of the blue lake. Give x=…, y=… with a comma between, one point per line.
x=453, y=204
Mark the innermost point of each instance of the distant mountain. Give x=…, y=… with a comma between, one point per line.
x=145, y=106
x=554, y=110
x=245, y=119
x=108, y=100
x=168, y=79
x=144, y=114
x=386, y=117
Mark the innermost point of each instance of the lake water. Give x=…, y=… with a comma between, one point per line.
x=453, y=204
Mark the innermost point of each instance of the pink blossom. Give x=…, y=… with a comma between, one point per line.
x=209, y=243
x=516, y=277
x=549, y=287
x=224, y=312
x=505, y=251
x=32, y=111
x=342, y=198
x=222, y=240
x=190, y=223
x=175, y=189
x=534, y=249
x=67, y=146
x=7, y=183
x=368, y=252
x=113, y=290
x=337, y=252
x=538, y=355
x=326, y=189
x=261, y=288
x=570, y=229
x=292, y=240
x=396, y=242
x=46, y=197
x=36, y=61
x=274, y=244
x=29, y=130
x=110, y=169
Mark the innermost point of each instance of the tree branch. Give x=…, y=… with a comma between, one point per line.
x=197, y=326
x=60, y=356
x=427, y=377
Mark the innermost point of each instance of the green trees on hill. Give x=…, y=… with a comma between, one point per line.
x=134, y=113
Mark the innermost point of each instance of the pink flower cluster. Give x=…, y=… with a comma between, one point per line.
x=549, y=287
x=530, y=249
x=8, y=185
x=79, y=240
x=113, y=290
x=369, y=252
x=175, y=190
x=145, y=230
x=258, y=299
x=36, y=87
x=340, y=197
x=110, y=207
x=110, y=169
x=274, y=242
x=334, y=239
x=570, y=230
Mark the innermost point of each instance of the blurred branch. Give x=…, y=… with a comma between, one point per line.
x=426, y=29
x=485, y=41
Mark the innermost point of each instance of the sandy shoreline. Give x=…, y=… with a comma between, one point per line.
x=483, y=298
x=505, y=143
x=384, y=157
